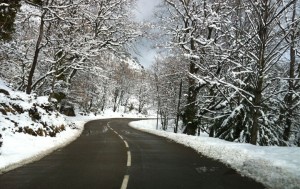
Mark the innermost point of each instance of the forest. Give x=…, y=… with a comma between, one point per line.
x=226, y=67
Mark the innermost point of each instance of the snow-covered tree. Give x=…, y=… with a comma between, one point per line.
x=168, y=71
x=8, y=11
x=289, y=99
x=60, y=44
x=258, y=48
x=234, y=50
x=196, y=28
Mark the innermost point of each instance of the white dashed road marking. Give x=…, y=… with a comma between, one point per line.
x=128, y=159
x=125, y=182
x=126, y=144
x=126, y=177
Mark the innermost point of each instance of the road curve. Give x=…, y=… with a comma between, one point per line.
x=109, y=154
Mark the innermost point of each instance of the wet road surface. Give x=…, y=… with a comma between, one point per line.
x=111, y=155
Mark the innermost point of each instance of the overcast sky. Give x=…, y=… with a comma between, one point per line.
x=145, y=9
x=144, y=12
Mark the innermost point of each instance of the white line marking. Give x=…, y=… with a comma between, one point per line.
x=126, y=177
x=126, y=144
x=125, y=182
x=128, y=159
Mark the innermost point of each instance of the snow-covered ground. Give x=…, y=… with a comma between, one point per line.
x=26, y=137
x=275, y=167
x=19, y=149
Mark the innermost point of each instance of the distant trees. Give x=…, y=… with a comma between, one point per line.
x=123, y=84
x=62, y=45
x=168, y=73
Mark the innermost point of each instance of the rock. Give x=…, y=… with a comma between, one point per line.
x=28, y=130
x=67, y=110
x=58, y=96
x=1, y=140
x=18, y=108
x=4, y=92
x=3, y=111
x=34, y=114
x=47, y=107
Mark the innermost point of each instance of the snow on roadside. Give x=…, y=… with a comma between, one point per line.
x=19, y=149
x=25, y=137
x=275, y=167
x=29, y=128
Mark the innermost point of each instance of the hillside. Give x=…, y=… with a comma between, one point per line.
x=28, y=114
x=29, y=126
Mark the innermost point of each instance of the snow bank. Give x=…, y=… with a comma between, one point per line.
x=30, y=130
x=19, y=149
x=275, y=167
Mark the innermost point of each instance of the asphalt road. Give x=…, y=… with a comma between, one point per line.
x=109, y=154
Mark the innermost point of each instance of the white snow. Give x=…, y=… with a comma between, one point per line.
x=19, y=148
x=275, y=167
x=4, y=5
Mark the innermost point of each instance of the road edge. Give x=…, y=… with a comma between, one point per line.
x=242, y=172
x=42, y=154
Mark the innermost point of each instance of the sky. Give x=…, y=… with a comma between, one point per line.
x=145, y=9
x=143, y=13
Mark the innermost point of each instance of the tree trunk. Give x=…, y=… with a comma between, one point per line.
x=141, y=103
x=178, y=107
x=256, y=108
x=36, y=55
x=289, y=97
x=158, y=100
x=263, y=35
x=116, y=95
x=190, y=113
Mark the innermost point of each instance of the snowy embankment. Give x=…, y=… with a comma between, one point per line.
x=30, y=129
x=275, y=167
x=19, y=148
